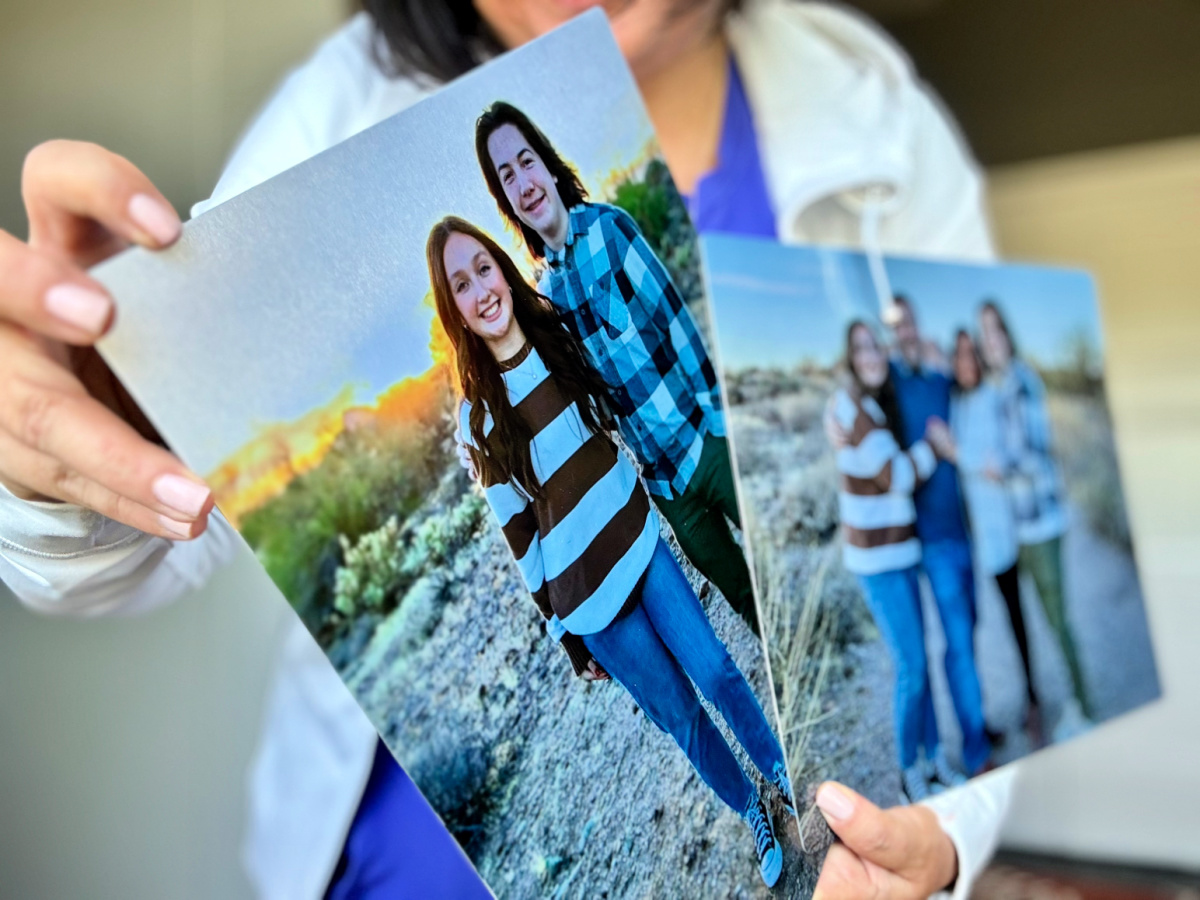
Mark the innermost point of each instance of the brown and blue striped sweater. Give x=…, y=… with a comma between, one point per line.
x=875, y=496
x=584, y=546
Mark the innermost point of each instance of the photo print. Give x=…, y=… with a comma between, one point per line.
x=450, y=381
x=933, y=508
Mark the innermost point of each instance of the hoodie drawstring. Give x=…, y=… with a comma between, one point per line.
x=872, y=213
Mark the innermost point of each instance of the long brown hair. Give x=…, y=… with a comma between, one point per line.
x=504, y=454
x=963, y=335
x=994, y=308
x=885, y=394
x=440, y=41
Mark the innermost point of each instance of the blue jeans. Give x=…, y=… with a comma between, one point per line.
x=947, y=564
x=894, y=599
x=657, y=651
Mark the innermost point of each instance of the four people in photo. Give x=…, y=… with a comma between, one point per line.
x=604, y=344
x=944, y=465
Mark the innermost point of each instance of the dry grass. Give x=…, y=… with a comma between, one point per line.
x=802, y=651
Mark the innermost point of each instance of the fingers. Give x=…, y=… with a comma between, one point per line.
x=70, y=187
x=844, y=877
x=65, y=445
x=58, y=483
x=876, y=835
x=49, y=296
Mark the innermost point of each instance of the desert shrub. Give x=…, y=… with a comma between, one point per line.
x=453, y=775
x=368, y=477
x=800, y=411
x=1083, y=440
x=1080, y=370
x=438, y=538
x=369, y=572
x=660, y=213
x=386, y=562
x=797, y=503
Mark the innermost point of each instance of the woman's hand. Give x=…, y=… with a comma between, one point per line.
x=883, y=854
x=938, y=434
x=594, y=672
x=68, y=429
x=463, y=451
x=837, y=436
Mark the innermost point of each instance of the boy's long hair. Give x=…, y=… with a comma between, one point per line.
x=570, y=188
x=504, y=454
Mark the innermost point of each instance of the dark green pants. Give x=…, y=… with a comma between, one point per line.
x=700, y=518
x=1044, y=563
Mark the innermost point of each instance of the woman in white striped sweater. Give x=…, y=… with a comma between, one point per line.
x=581, y=527
x=880, y=546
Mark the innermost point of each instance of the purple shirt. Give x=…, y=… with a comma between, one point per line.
x=733, y=197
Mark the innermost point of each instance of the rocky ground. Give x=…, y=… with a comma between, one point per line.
x=555, y=787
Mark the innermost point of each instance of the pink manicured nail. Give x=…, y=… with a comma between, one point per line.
x=155, y=218
x=78, y=306
x=183, y=495
x=834, y=802
x=179, y=530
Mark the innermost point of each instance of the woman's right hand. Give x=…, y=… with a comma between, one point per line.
x=594, y=672
x=68, y=429
x=938, y=434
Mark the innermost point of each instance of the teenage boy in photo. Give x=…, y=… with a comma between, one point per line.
x=923, y=393
x=615, y=295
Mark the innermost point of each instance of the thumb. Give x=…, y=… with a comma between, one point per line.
x=876, y=835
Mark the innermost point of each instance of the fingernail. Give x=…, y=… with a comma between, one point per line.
x=78, y=306
x=834, y=802
x=183, y=495
x=155, y=218
x=180, y=530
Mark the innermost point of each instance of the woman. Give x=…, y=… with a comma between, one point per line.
x=1036, y=493
x=880, y=546
x=580, y=524
x=978, y=450
x=758, y=105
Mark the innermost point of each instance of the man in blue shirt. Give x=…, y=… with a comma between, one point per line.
x=922, y=393
x=615, y=294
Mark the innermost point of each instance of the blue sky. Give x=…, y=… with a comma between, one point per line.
x=276, y=300
x=779, y=306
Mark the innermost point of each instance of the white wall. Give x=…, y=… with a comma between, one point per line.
x=168, y=83
x=1131, y=216
x=123, y=744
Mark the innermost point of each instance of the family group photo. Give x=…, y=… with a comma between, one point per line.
x=934, y=510
x=489, y=470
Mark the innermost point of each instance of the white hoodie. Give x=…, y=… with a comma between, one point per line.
x=844, y=129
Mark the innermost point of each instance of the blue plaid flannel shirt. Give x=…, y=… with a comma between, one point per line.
x=1034, y=481
x=616, y=296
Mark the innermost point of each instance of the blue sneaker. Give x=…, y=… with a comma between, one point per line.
x=914, y=783
x=780, y=779
x=941, y=774
x=766, y=845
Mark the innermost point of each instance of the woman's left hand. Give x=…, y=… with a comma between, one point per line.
x=938, y=434
x=594, y=672
x=883, y=854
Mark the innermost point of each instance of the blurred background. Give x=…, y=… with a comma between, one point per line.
x=123, y=744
